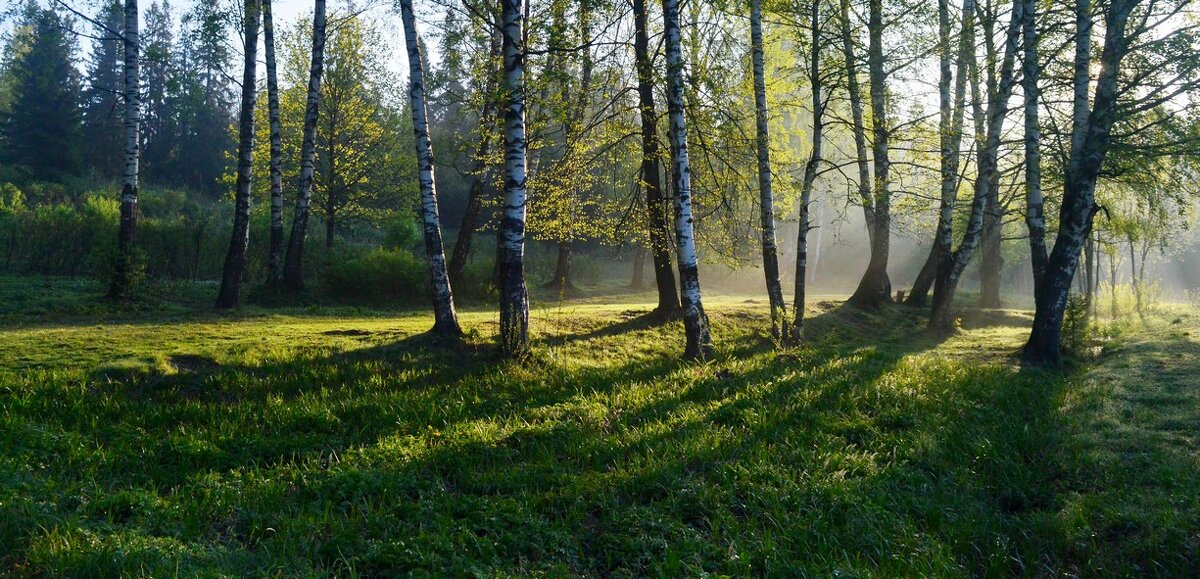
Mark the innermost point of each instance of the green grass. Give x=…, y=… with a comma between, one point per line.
x=161, y=439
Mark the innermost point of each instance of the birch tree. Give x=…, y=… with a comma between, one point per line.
x=235, y=258
x=699, y=339
x=780, y=329
x=820, y=96
x=656, y=211
x=1035, y=218
x=989, y=126
x=120, y=287
x=275, y=250
x=293, y=268
x=514, y=297
x=875, y=288
x=445, y=321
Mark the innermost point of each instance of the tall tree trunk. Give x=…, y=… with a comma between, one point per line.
x=293, y=266
x=275, y=251
x=123, y=273
x=810, y=168
x=235, y=259
x=918, y=295
x=470, y=220
x=1079, y=203
x=875, y=288
x=695, y=321
x=445, y=321
x=1035, y=216
x=1089, y=256
x=514, y=298
x=952, y=112
x=859, y=125
x=988, y=179
x=656, y=207
x=780, y=328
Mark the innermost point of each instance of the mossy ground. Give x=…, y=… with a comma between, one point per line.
x=162, y=439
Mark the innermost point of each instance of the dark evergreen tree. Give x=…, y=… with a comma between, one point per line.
x=102, y=105
x=41, y=130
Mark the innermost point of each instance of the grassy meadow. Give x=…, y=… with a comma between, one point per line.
x=163, y=439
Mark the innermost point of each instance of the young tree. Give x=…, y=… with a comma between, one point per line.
x=816, y=79
x=656, y=211
x=235, y=259
x=445, y=321
x=780, y=329
x=293, y=268
x=695, y=321
x=129, y=188
x=514, y=298
x=275, y=249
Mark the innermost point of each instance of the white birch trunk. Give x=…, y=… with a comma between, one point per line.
x=275, y=250
x=445, y=320
x=121, y=281
x=695, y=321
x=810, y=168
x=514, y=297
x=780, y=328
x=235, y=258
x=1035, y=218
x=293, y=268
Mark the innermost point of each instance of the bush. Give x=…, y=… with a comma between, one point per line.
x=377, y=275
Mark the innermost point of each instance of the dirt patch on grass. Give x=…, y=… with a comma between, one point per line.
x=191, y=363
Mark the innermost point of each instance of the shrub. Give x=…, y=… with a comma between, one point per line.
x=377, y=275
x=1077, y=330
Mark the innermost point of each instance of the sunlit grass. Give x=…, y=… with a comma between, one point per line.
x=339, y=441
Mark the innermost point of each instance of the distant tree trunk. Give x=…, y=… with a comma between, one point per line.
x=939, y=265
x=859, y=125
x=275, y=251
x=639, y=269
x=810, y=169
x=656, y=210
x=1112, y=283
x=780, y=328
x=470, y=220
x=293, y=267
x=235, y=259
x=1035, y=216
x=122, y=274
x=445, y=321
x=1089, y=250
x=695, y=321
x=1079, y=204
x=875, y=288
x=988, y=179
x=514, y=298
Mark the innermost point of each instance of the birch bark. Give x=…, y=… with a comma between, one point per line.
x=514, y=297
x=121, y=282
x=445, y=320
x=293, y=265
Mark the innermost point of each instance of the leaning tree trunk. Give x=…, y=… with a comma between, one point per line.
x=780, y=328
x=1079, y=202
x=445, y=321
x=950, y=125
x=275, y=251
x=293, y=265
x=859, y=125
x=123, y=272
x=810, y=168
x=988, y=177
x=235, y=258
x=514, y=298
x=875, y=288
x=695, y=321
x=470, y=220
x=656, y=210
